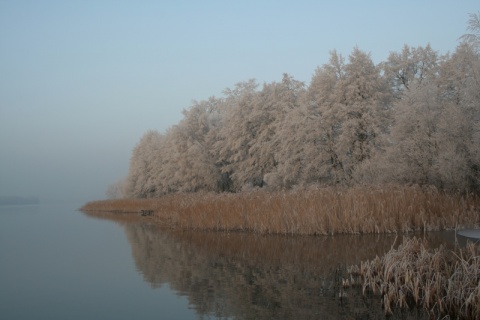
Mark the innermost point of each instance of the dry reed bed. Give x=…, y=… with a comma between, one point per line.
x=444, y=283
x=311, y=211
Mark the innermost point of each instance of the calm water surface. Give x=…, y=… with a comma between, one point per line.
x=58, y=263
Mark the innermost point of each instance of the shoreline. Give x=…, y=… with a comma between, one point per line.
x=319, y=211
x=435, y=281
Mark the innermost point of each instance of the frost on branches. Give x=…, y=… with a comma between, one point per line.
x=412, y=119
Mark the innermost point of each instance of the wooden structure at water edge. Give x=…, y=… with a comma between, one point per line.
x=145, y=213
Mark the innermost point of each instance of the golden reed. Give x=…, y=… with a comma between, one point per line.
x=314, y=211
x=446, y=284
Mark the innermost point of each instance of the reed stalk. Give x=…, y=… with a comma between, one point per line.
x=444, y=283
x=315, y=211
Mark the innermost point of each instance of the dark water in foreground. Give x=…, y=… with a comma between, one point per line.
x=58, y=263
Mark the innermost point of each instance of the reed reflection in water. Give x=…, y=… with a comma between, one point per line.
x=245, y=276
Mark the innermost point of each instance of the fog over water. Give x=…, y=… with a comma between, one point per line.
x=81, y=82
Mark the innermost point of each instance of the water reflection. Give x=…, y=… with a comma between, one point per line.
x=245, y=276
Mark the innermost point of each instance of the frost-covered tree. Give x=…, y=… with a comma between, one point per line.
x=324, y=119
x=473, y=38
x=294, y=148
x=414, y=148
x=365, y=101
x=236, y=133
x=410, y=67
x=351, y=102
x=117, y=190
x=274, y=149
x=435, y=136
x=181, y=160
x=194, y=163
x=144, y=163
x=414, y=118
x=459, y=83
x=250, y=140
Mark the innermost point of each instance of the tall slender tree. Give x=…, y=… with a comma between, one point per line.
x=352, y=103
x=141, y=180
x=236, y=134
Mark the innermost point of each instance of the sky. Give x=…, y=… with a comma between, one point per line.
x=82, y=81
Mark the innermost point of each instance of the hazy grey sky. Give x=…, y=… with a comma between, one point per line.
x=81, y=81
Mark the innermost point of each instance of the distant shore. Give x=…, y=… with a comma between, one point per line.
x=18, y=200
x=317, y=211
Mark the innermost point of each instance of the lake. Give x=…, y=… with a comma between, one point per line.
x=59, y=263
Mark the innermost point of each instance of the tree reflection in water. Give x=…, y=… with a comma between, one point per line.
x=248, y=276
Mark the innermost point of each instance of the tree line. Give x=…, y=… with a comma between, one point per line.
x=412, y=119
